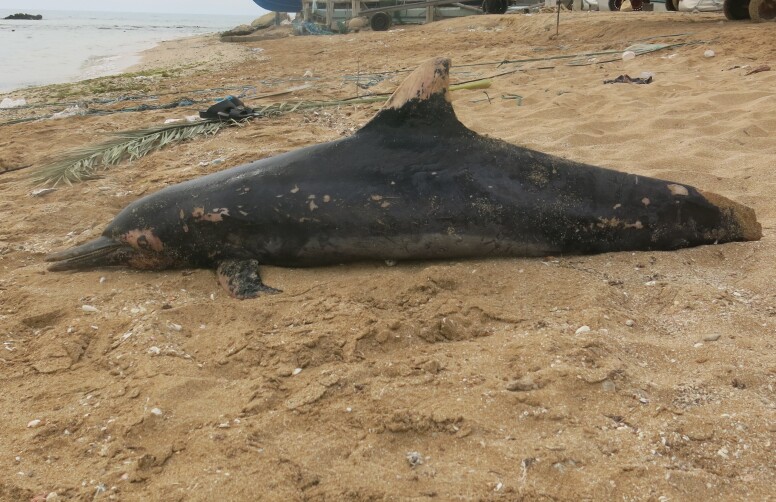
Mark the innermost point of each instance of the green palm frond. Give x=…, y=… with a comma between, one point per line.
x=83, y=164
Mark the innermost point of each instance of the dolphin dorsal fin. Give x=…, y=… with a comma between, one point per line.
x=423, y=99
x=430, y=78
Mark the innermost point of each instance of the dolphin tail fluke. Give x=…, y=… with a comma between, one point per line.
x=741, y=221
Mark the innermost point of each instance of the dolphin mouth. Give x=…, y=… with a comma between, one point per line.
x=100, y=252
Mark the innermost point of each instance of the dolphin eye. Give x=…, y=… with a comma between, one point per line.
x=142, y=243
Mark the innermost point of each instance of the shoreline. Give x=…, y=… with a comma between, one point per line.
x=65, y=49
x=196, y=50
x=182, y=51
x=193, y=52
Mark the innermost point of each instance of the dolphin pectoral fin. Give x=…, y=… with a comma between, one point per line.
x=241, y=279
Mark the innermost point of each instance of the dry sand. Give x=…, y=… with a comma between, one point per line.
x=171, y=390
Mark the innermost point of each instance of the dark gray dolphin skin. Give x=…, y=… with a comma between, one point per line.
x=413, y=184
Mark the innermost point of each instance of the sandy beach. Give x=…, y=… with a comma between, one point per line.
x=643, y=376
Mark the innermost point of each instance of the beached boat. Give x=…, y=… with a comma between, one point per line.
x=382, y=13
x=280, y=5
x=490, y=6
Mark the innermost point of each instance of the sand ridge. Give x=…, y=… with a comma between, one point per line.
x=633, y=376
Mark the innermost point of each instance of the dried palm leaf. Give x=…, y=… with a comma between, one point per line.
x=83, y=164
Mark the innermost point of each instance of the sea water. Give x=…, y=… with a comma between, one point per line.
x=66, y=46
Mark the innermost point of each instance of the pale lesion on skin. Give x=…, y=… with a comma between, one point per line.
x=214, y=216
x=432, y=77
x=618, y=223
x=149, y=248
x=144, y=239
x=677, y=189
